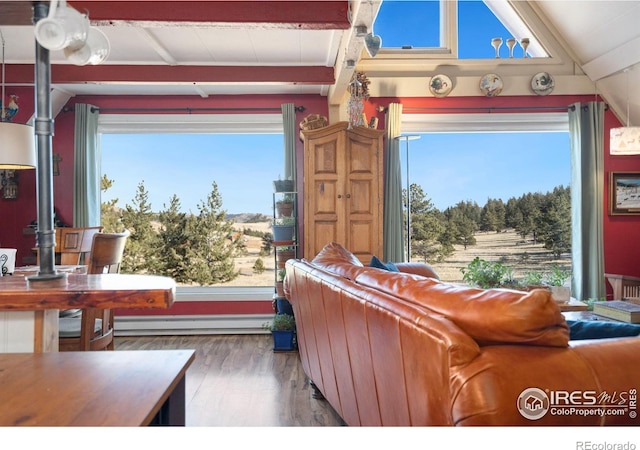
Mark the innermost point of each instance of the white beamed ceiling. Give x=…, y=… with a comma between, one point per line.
x=592, y=43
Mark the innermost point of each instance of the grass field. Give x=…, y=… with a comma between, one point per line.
x=507, y=247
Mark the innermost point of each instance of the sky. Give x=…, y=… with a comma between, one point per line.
x=449, y=167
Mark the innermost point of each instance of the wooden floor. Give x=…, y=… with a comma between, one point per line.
x=238, y=380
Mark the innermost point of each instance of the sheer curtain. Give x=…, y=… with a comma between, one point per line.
x=289, y=127
x=87, y=176
x=586, y=129
x=393, y=235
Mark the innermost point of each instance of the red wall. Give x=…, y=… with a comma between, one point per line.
x=621, y=233
x=17, y=214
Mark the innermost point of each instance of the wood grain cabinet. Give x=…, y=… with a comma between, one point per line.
x=343, y=189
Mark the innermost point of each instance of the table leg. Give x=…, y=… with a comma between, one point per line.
x=172, y=412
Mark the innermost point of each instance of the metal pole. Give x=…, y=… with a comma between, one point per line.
x=45, y=234
x=407, y=138
x=408, y=205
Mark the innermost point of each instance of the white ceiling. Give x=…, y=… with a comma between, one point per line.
x=300, y=47
x=604, y=36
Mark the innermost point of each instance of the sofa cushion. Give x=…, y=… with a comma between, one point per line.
x=375, y=262
x=490, y=316
x=338, y=260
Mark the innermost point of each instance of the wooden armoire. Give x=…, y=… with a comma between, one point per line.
x=343, y=189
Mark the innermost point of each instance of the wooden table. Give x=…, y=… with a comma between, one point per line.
x=27, y=271
x=573, y=305
x=119, y=388
x=29, y=310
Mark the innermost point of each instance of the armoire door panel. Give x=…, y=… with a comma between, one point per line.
x=361, y=240
x=325, y=156
x=361, y=198
x=324, y=232
x=360, y=160
x=325, y=198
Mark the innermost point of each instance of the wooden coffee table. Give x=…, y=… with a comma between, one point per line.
x=117, y=388
x=573, y=305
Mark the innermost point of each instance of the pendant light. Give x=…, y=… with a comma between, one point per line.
x=17, y=143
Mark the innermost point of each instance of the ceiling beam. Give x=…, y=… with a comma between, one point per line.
x=614, y=61
x=308, y=14
x=69, y=74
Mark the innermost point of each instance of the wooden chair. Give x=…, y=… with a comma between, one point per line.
x=624, y=286
x=93, y=329
x=72, y=245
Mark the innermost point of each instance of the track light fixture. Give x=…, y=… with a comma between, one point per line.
x=67, y=29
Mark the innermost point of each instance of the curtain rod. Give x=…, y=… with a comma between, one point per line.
x=499, y=108
x=185, y=110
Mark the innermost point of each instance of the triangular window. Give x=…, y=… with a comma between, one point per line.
x=464, y=29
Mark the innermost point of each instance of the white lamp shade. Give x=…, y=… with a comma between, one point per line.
x=17, y=146
x=94, y=50
x=625, y=141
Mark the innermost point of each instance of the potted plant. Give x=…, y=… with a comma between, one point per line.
x=281, y=304
x=283, y=229
x=283, y=331
x=284, y=206
x=280, y=282
x=556, y=280
x=280, y=185
x=283, y=254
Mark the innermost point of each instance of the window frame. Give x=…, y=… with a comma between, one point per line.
x=505, y=12
x=199, y=124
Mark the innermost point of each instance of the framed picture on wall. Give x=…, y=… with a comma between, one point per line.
x=624, y=193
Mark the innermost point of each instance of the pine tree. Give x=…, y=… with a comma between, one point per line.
x=258, y=266
x=213, y=243
x=174, y=242
x=110, y=215
x=465, y=228
x=555, y=228
x=141, y=253
x=426, y=225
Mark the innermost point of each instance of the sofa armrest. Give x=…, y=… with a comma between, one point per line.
x=417, y=268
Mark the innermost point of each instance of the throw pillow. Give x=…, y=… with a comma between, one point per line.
x=375, y=262
x=593, y=329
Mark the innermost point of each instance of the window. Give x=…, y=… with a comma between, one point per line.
x=184, y=155
x=419, y=23
x=462, y=29
x=506, y=156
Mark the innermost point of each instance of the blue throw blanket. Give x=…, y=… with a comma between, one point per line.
x=593, y=329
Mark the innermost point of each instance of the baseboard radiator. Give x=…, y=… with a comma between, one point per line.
x=190, y=325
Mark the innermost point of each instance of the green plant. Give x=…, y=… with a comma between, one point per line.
x=281, y=322
x=591, y=301
x=557, y=276
x=284, y=221
x=286, y=198
x=485, y=274
x=258, y=266
x=281, y=274
x=532, y=279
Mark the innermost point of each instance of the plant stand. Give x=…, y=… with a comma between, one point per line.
x=283, y=341
x=283, y=306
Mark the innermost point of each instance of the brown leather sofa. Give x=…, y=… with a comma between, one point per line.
x=404, y=349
